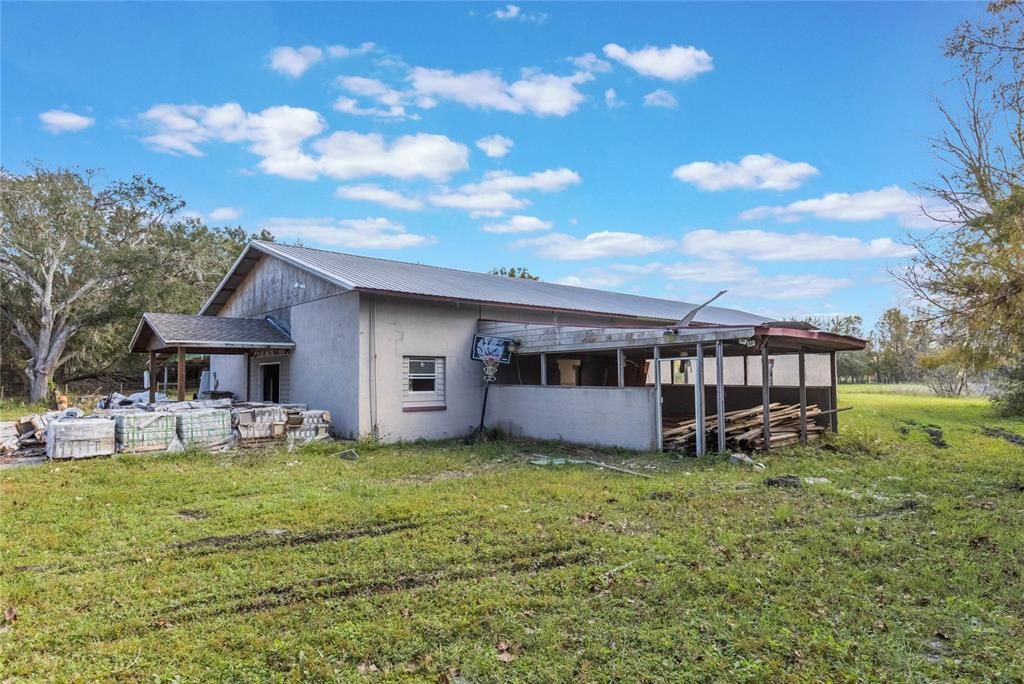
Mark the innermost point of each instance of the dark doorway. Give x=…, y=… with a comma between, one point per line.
x=271, y=379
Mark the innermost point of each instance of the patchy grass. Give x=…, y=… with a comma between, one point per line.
x=421, y=560
x=896, y=388
x=12, y=410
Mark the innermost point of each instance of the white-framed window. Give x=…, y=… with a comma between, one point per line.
x=423, y=382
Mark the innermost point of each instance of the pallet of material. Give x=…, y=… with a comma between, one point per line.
x=206, y=428
x=80, y=438
x=141, y=431
x=744, y=428
x=309, y=424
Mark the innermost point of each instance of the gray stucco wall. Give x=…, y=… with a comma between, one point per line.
x=585, y=415
x=230, y=371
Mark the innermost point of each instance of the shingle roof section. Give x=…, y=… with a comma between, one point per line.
x=211, y=331
x=382, y=275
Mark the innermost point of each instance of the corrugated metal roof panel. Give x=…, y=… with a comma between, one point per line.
x=383, y=275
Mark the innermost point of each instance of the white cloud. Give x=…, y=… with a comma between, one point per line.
x=516, y=13
x=746, y=281
x=495, y=145
x=754, y=171
x=479, y=203
x=294, y=61
x=368, y=233
x=277, y=134
x=374, y=193
x=225, y=213
x=508, y=12
x=338, y=51
x=591, y=63
x=843, y=206
x=660, y=98
x=347, y=154
x=593, y=279
x=392, y=101
x=549, y=180
x=61, y=121
x=595, y=245
x=535, y=93
x=761, y=245
x=348, y=105
x=611, y=99
x=674, y=63
x=518, y=224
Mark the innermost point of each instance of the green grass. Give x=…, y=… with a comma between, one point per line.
x=420, y=560
x=898, y=388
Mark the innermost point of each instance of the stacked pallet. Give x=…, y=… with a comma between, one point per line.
x=744, y=429
x=27, y=435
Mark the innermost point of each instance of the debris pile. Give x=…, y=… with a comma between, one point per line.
x=744, y=429
x=27, y=435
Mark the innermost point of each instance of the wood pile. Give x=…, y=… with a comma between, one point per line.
x=744, y=428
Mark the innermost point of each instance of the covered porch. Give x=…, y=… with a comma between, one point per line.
x=163, y=336
x=703, y=378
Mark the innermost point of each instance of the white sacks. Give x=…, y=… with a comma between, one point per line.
x=139, y=431
x=80, y=438
x=204, y=428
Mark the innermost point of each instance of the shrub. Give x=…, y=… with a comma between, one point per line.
x=1009, y=395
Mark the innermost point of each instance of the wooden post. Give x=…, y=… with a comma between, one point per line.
x=181, y=374
x=720, y=392
x=833, y=393
x=152, y=377
x=657, y=396
x=620, y=366
x=766, y=427
x=543, y=369
x=248, y=376
x=698, y=400
x=803, y=398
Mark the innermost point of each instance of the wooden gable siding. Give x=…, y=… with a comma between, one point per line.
x=270, y=287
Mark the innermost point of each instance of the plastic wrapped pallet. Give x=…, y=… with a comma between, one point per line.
x=138, y=431
x=206, y=428
x=80, y=438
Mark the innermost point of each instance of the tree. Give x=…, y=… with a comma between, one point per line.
x=899, y=343
x=521, y=272
x=968, y=275
x=79, y=264
x=851, y=366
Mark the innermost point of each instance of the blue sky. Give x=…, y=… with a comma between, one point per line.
x=772, y=150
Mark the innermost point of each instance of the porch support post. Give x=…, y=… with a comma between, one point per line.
x=803, y=398
x=248, y=376
x=657, y=397
x=543, y=369
x=833, y=392
x=620, y=366
x=181, y=374
x=152, y=377
x=766, y=426
x=698, y=400
x=720, y=392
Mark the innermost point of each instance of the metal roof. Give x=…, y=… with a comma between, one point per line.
x=369, y=274
x=161, y=331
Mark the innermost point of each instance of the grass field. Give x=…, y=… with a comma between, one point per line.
x=439, y=562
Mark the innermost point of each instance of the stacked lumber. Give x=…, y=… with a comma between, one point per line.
x=744, y=429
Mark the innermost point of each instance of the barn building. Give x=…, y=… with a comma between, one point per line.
x=385, y=347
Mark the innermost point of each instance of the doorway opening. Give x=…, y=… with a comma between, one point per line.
x=270, y=379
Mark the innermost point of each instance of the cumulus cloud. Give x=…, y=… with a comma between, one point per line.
x=374, y=193
x=761, y=245
x=367, y=233
x=62, y=121
x=339, y=51
x=279, y=136
x=891, y=201
x=549, y=180
x=660, y=98
x=495, y=145
x=225, y=214
x=392, y=101
x=479, y=203
x=518, y=224
x=591, y=63
x=294, y=62
x=516, y=13
x=611, y=99
x=753, y=172
x=746, y=281
x=535, y=93
x=563, y=247
x=348, y=105
x=674, y=63
x=347, y=154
